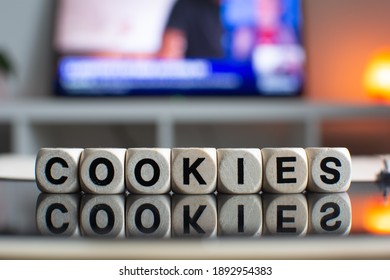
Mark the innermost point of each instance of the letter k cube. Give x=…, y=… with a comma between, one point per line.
x=194, y=170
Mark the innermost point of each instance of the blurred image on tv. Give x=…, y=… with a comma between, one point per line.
x=179, y=47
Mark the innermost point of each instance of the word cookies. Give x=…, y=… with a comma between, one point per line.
x=193, y=170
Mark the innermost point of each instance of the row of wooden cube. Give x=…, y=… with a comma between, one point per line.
x=161, y=216
x=193, y=170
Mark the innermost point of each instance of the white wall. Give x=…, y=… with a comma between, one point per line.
x=341, y=37
x=25, y=31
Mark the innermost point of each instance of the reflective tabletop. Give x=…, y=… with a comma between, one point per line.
x=354, y=224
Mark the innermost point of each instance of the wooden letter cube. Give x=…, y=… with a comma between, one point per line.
x=194, y=170
x=56, y=170
x=239, y=171
x=102, y=215
x=285, y=170
x=58, y=214
x=148, y=170
x=329, y=213
x=148, y=216
x=194, y=216
x=240, y=215
x=102, y=171
x=285, y=214
x=329, y=169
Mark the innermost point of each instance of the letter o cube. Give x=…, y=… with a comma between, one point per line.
x=102, y=171
x=148, y=216
x=102, y=215
x=148, y=170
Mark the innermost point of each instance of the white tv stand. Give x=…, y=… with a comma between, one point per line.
x=31, y=121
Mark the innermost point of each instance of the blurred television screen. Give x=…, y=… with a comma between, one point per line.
x=179, y=47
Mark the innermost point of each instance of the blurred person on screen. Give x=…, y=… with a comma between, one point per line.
x=193, y=30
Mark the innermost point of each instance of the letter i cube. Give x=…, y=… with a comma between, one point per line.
x=239, y=171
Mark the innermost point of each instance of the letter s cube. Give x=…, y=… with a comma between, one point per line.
x=329, y=169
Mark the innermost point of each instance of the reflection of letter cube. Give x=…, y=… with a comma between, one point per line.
x=285, y=170
x=194, y=216
x=102, y=215
x=329, y=169
x=239, y=171
x=194, y=170
x=148, y=170
x=102, y=171
x=148, y=216
x=240, y=215
x=58, y=214
x=329, y=213
x=285, y=214
x=56, y=170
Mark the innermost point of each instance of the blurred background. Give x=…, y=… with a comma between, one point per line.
x=337, y=106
